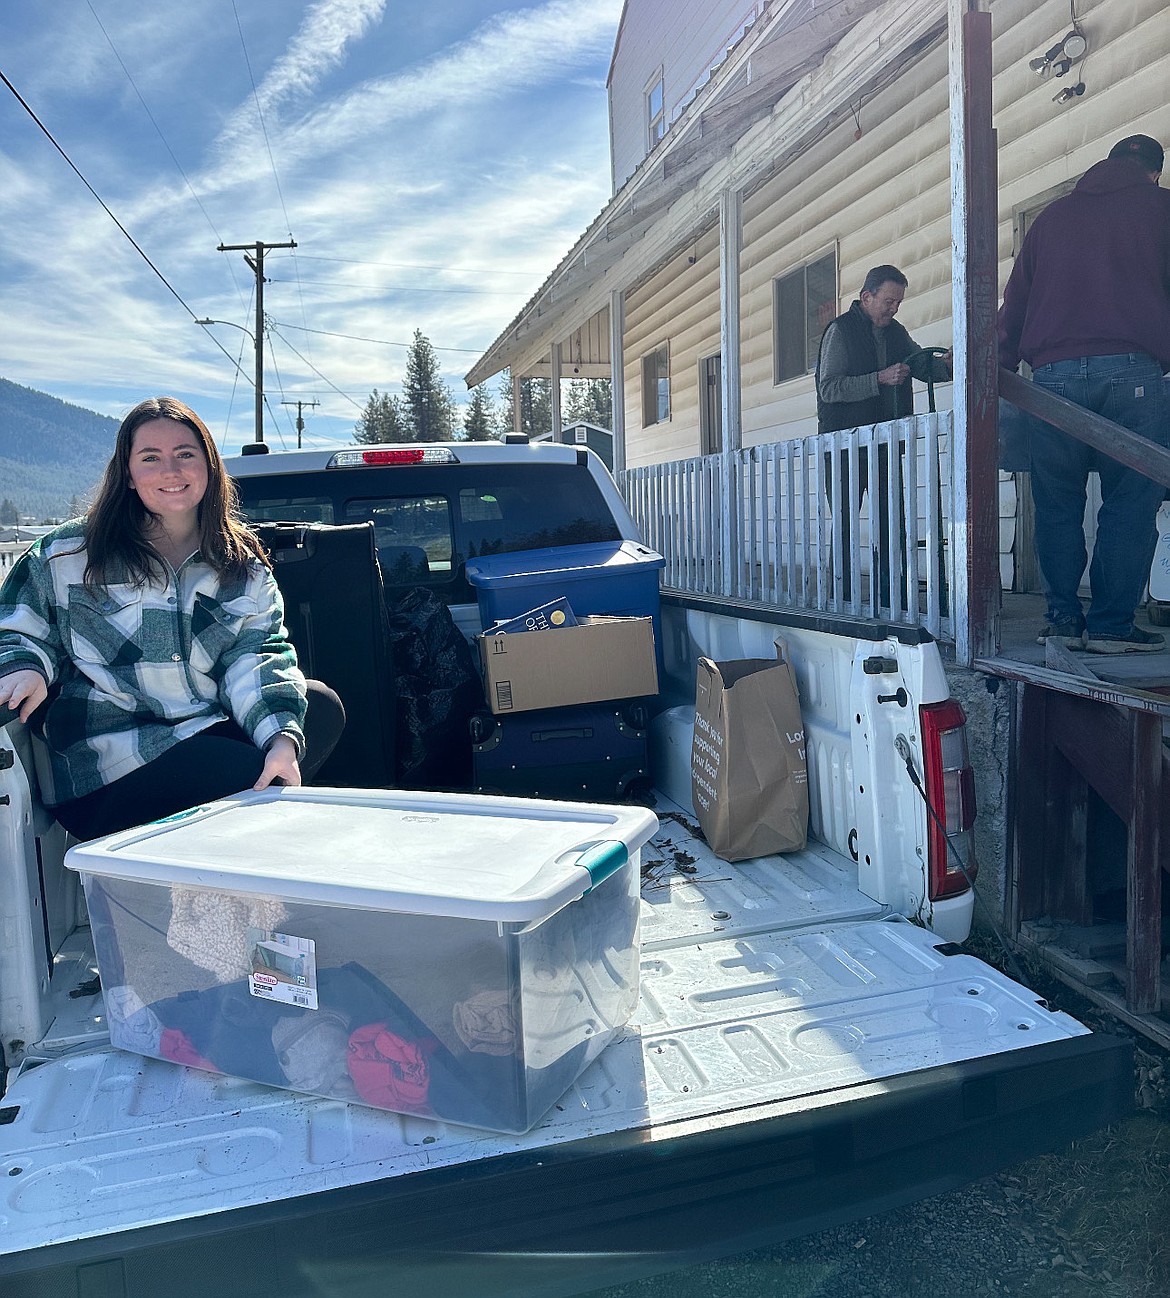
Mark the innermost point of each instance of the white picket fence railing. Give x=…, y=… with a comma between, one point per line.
x=767, y=524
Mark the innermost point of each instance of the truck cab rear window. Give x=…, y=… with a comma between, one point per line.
x=412, y=535
x=429, y=520
x=297, y=509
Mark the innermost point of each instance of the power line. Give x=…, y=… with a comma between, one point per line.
x=381, y=342
x=397, y=288
x=105, y=208
x=273, y=328
x=260, y=115
x=158, y=131
x=415, y=265
x=271, y=156
x=137, y=248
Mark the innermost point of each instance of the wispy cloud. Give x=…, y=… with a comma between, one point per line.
x=488, y=153
x=317, y=48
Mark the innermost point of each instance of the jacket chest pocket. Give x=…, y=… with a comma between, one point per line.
x=216, y=627
x=104, y=626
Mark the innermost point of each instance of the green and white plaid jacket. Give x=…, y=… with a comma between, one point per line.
x=139, y=669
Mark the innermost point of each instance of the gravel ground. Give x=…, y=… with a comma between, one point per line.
x=1090, y=1222
x=994, y=1237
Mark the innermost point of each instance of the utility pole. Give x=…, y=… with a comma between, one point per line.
x=256, y=262
x=300, y=421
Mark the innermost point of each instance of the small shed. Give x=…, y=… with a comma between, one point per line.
x=597, y=439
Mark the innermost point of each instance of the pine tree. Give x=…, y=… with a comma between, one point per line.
x=381, y=421
x=9, y=514
x=479, y=423
x=504, y=410
x=535, y=405
x=590, y=401
x=428, y=408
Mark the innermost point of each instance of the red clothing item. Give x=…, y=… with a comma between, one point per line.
x=177, y=1046
x=386, y=1070
x=1093, y=275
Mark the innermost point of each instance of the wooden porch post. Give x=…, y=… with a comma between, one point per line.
x=974, y=298
x=730, y=246
x=517, y=408
x=555, y=391
x=1143, y=922
x=617, y=377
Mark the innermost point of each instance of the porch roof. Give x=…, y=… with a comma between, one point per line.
x=792, y=76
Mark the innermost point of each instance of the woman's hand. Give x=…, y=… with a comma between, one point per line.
x=280, y=764
x=24, y=691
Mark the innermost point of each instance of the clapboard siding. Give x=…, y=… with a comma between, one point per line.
x=685, y=320
x=686, y=39
x=886, y=197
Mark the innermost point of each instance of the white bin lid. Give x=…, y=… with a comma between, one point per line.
x=512, y=860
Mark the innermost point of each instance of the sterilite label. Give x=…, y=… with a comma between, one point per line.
x=284, y=968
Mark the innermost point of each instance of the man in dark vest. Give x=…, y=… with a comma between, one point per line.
x=864, y=376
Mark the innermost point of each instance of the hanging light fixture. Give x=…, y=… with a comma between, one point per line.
x=1057, y=60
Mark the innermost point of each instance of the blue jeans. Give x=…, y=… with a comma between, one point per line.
x=1127, y=389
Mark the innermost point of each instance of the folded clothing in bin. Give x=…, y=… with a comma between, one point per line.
x=362, y=1043
x=450, y=956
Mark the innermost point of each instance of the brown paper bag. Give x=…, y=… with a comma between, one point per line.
x=749, y=780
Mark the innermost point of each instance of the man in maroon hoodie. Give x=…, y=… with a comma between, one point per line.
x=1088, y=307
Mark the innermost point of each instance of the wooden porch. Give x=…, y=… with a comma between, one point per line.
x=1089, y=815
x=1089, y=778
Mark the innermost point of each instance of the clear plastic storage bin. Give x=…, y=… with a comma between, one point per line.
x=457, y=957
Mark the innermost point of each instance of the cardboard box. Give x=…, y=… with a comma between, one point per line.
x=553, y=616
x=454, y=957
x=601, y=658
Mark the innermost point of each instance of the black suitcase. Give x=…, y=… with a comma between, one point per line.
x=336, y=618
x=595, y=752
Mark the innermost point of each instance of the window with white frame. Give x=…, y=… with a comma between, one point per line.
x=656, y=386
x=804, y=300
x=655, y=111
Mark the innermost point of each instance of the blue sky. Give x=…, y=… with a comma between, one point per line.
x=432, y=159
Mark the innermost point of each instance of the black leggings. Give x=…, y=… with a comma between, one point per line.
x=212, y=764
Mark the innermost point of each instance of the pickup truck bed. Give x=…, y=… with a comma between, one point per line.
x=802, y=1053
x=799, y=1057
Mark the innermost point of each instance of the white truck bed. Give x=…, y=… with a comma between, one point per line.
x=769, y=988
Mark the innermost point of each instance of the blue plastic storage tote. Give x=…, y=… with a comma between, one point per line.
x=618, y=578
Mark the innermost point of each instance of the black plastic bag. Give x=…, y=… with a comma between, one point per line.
x=438, y=689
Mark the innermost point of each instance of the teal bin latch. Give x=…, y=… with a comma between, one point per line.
x=602, y=860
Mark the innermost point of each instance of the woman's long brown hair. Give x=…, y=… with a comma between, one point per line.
x=117, y=523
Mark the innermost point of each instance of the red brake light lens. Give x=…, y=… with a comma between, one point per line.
x=950, y=786
x=393, y=455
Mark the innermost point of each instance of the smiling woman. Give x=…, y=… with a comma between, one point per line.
x=168, y=473
x=148, y=639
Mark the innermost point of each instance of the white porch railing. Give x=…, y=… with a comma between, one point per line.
x=768, y=525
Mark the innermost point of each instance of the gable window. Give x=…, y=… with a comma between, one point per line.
x=656, y=386
x=803, y=302
x=655, y=112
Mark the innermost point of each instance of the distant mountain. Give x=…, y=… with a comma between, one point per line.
x=51, y=453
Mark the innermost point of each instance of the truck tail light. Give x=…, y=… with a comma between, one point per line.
x=398, y=455
x=950, y=789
